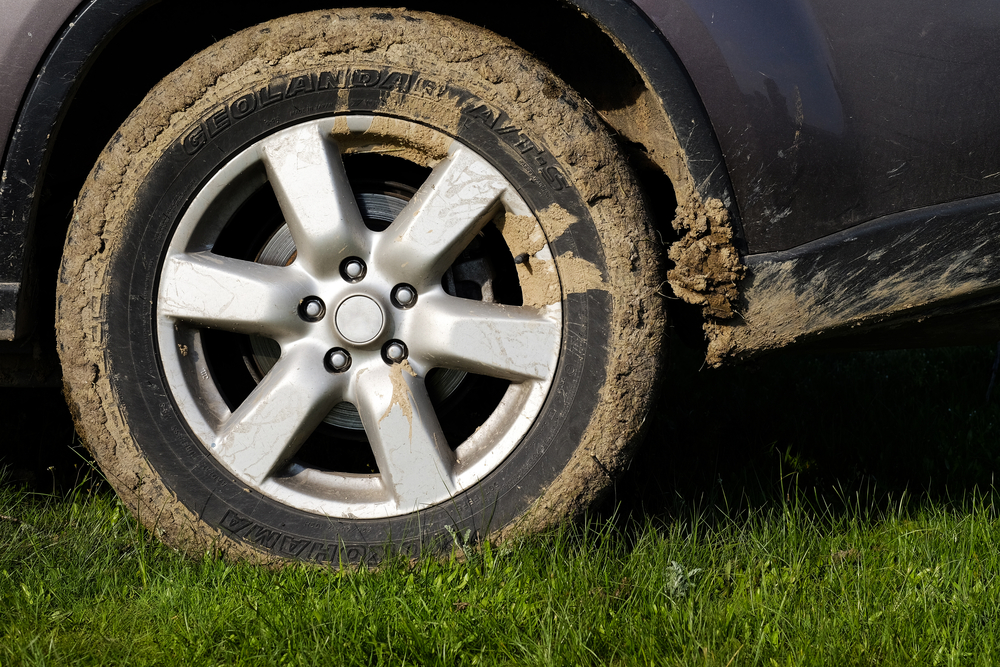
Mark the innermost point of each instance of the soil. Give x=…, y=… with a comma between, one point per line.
x=400, y=392
x=790, y=299
x=707, y=267
x=408, y=141
x=537, y=271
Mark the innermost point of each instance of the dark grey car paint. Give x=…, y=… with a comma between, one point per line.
x=831, y=113
x=27, y=27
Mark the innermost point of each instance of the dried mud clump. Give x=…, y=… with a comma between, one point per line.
x=707, y=265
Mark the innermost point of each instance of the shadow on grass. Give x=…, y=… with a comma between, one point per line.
x=39, y=448
x=857, y=429
x=845, y=430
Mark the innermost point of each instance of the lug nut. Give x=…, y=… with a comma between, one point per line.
x=394, y=351
x=403, y=296
x=312, y=309
x=337, y=360
x=353, y=269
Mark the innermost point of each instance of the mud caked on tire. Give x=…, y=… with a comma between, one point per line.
x=354, y=280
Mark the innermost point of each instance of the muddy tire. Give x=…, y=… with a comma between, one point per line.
x=353, y=281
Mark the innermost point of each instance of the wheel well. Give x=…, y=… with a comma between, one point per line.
x=165, y=35
x=579, y=52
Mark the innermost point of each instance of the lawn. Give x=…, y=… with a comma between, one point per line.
x=828, y=510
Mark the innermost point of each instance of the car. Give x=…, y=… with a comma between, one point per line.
x=354, y=281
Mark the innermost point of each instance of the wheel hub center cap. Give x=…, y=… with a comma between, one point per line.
x=359, y=319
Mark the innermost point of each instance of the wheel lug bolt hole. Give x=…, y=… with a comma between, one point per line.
x=337, y=360
x=353, y=269
x=394, y=352
x=312, y=309
x=404, y=296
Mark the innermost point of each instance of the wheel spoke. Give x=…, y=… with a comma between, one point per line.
x=441, y=219
x=509, y=342
x=278, y=415
x=413, y=456
x=210, y=291
x=308, y=178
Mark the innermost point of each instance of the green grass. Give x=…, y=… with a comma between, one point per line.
x=829, y=510
x=80, y=583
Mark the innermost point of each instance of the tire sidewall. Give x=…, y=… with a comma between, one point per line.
x=421, y=94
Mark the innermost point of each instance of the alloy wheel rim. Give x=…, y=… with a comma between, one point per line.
x=388, y=355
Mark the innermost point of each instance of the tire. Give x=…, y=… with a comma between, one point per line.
x=348, y=282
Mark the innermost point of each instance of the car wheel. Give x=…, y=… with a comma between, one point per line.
x=354, y=281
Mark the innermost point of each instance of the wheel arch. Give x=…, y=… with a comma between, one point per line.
x=91, y=80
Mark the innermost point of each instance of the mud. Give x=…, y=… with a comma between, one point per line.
x=400, y=392
x=497, y=73
x=786, y=301
x=521, y=232
x=707, y=266
x=541, y=277
x=638, y=325
x=555, y=220
x=644, y=122
x=383, y=135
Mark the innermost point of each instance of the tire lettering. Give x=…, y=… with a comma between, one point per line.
x=525, y=145
x=286, y=545
x=331, y=80
x=364, y=78
x=395, y=81
x=528, y=148
x=270, y=94
x=323, y=553
x=291, y=547
x=218, y=122
x=484, y=114
x=264, y=537
x=554, y=178
x=235, y=523
x=195, y=140
x=243, y=106
x=301, y=84
x=427, y=87
x=375, y=555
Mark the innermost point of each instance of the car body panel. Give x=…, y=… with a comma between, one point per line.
x=44, y=104
x=831, y=113
x=26, y=31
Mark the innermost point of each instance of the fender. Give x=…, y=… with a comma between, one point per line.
x=767, y=77
x=833, y=113
x=46, y=102
x=644, y=44
x=95, y=24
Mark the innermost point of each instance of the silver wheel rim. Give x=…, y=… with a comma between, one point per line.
x=257, y=440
